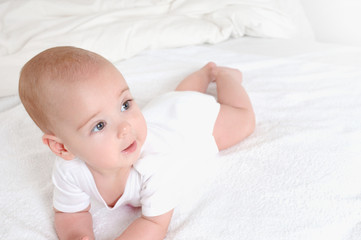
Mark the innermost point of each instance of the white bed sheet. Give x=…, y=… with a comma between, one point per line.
x=296, y=177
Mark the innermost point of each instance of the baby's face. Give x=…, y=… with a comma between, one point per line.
x=99, y=121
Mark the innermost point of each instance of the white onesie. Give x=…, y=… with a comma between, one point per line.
x=180, y=127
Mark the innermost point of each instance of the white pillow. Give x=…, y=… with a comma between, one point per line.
x=119, y=29
x=294, y=9
x=258, y=18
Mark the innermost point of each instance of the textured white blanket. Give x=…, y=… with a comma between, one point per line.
x=297, y=177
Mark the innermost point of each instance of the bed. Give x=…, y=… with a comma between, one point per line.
x=298, y=176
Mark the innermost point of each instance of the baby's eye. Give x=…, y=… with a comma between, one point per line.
x=125, y=106
x=98, y=127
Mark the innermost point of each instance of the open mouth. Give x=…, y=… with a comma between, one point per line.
x=131, y=148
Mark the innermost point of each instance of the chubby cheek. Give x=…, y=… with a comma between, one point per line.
x=91, y=150
x=101, y=154
x=141, y=129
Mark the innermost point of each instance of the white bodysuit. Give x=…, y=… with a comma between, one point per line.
x=180, y=127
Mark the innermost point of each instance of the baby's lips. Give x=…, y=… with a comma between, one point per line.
x=131, y=148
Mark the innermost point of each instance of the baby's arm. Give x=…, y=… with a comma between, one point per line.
x=77, y=225
x=148, y=228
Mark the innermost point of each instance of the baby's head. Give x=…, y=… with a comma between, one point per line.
x=83, y=105
x=50, y=73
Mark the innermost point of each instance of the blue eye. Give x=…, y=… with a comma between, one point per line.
x=125, y=106
x=98, y=127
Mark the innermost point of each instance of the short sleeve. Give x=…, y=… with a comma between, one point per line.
x=68, y=197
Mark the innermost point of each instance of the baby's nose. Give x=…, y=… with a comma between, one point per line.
x=123, y=129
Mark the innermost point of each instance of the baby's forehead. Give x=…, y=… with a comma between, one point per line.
x=103, y=85
x=84, y=76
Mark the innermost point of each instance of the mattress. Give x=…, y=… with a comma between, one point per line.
x=296, y=177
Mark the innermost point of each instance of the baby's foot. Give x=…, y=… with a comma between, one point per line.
x=199, y=80
x=209, y=71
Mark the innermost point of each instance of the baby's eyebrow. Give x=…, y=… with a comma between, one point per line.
x=122, y=91
x=96, y=113
x=85, y=122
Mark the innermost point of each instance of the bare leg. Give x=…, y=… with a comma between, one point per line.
x=199, y=80
x=236, y=118
x=230, y=90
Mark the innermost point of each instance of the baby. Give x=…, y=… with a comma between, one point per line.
x=109, y=150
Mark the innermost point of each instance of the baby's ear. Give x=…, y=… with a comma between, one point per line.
x=57, y=147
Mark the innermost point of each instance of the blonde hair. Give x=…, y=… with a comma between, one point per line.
x=43, y=73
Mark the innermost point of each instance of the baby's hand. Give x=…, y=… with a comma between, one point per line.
x=85, y=238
